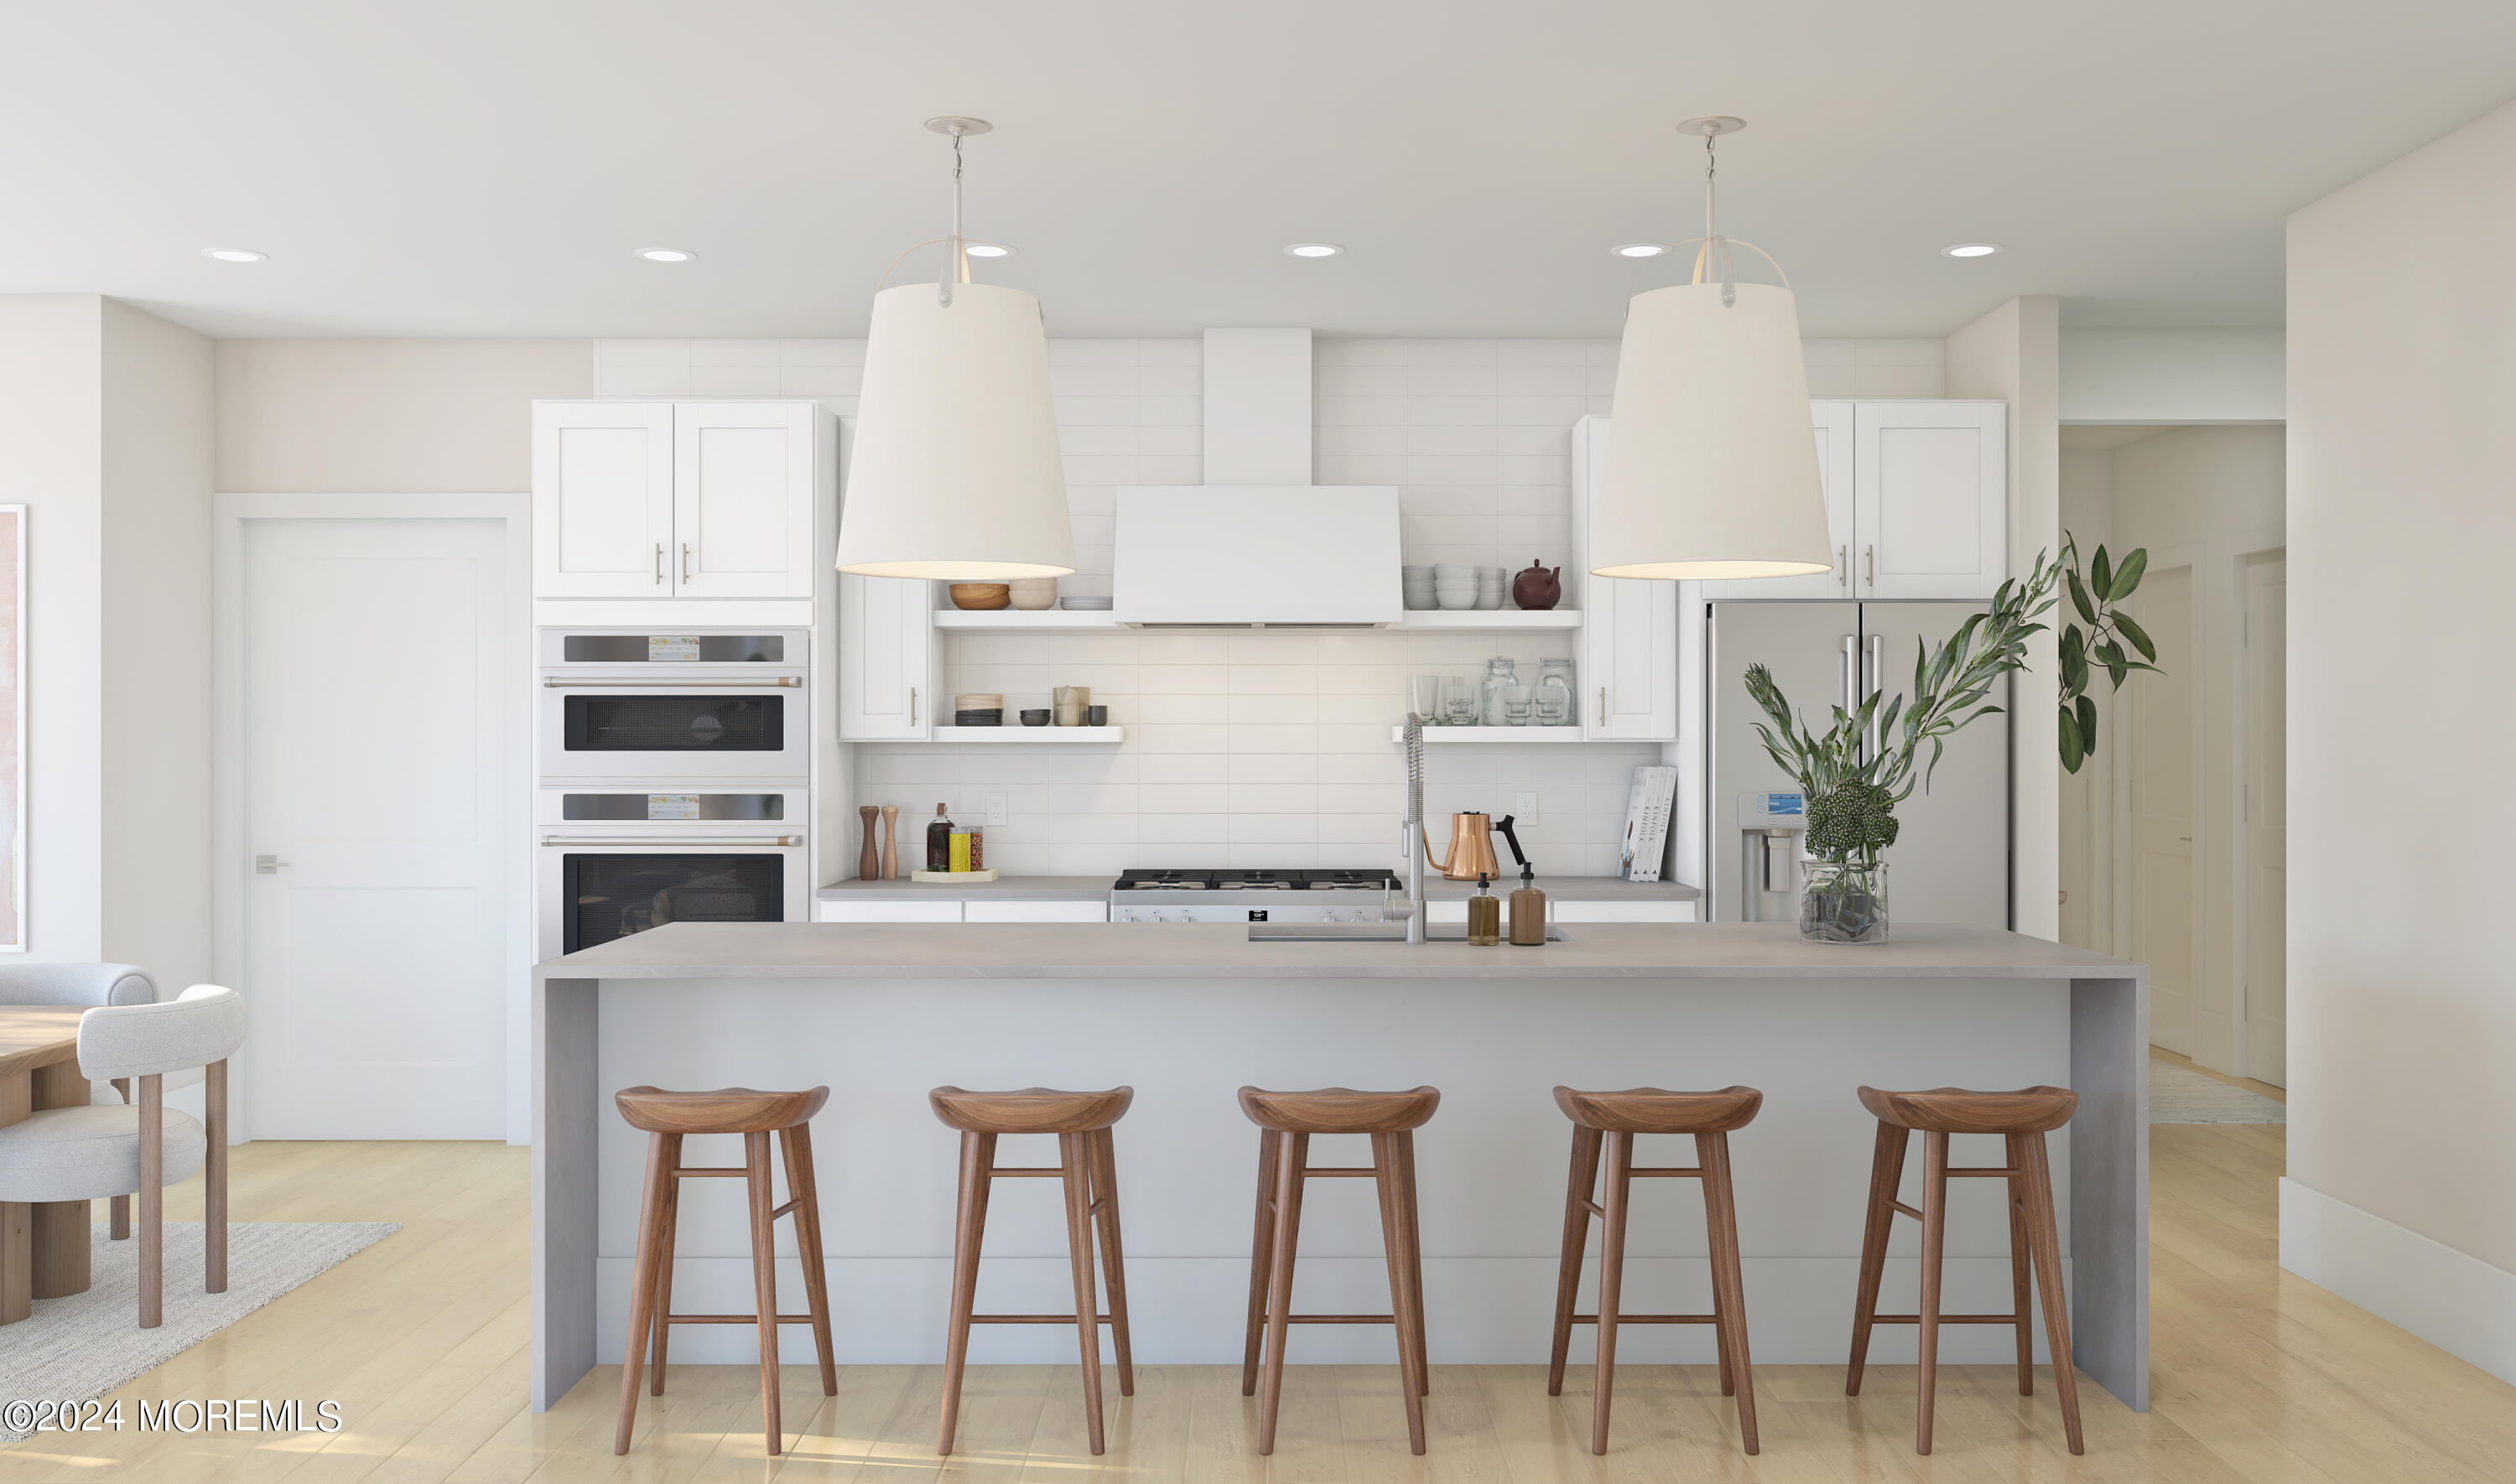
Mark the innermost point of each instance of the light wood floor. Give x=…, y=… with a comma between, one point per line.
x=2259, y=1378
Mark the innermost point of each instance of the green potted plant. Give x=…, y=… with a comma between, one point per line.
x=1853, y=791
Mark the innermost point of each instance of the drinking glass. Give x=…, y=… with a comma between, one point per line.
x=1428, y=699
x=1552, y=705
x=1516, y=701
x=1459, y=701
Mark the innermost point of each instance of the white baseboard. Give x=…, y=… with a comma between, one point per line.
x=2452, y=1300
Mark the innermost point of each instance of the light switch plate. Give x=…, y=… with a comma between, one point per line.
x=996, y=811
x=1524, y=806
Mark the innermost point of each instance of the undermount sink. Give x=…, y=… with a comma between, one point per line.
x=1370, y=933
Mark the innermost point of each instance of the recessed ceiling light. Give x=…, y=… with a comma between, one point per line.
x=234, y=253
x=665, y=253
x=1315, y=250
x=1639, y=249
x=987, y=250
x=1970, y=250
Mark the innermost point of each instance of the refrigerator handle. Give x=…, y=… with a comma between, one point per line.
x=1873, y=681
x=1850, y=678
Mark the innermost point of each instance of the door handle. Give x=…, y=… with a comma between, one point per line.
x=643, y=683
x=1602, y=706
x=1870, y=565
x=686, y=561
x=1843, y=566
x=268, y=865
x=659, y=562
x=912, y=705
x=1849, y=681
x=1877, y=671
x=673, y=840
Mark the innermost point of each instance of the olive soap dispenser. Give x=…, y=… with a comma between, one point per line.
x=1485, y=915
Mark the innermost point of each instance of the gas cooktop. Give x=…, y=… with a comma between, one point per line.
x=1349, y=880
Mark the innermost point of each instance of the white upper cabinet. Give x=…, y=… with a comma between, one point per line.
x=886, y=659
x=1834, y=431
x=679, y=500
x=743, y=499
x=1628, y=671
x=1930, y=499
x=602, y=499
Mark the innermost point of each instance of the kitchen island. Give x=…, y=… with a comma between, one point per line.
x=1187, y=1014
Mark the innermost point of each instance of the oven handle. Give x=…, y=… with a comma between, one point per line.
x=782, y=683
x=673, y=840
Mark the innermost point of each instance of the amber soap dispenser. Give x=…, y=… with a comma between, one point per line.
x=1527, y=904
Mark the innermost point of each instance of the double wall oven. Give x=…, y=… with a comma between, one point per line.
x=674, y=771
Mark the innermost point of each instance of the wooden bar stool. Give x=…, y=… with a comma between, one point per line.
x=1286, y=1121
x=670, y=1117
x=1087, y=1162
x=2022, y=1118
x=1612, y=1120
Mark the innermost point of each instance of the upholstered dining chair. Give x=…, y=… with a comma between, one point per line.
x=82, y=1154
x=83, y=984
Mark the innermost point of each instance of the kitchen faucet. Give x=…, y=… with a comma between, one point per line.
x=1413, y=826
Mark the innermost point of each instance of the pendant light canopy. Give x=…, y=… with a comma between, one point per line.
x=956, y=473
x=1711, y=459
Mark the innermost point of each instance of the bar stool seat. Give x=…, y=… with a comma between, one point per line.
x=1087, y=1165
x=1604, y=1126
x=669, y=1117
x=2020, y=1119
x=1286, y=1121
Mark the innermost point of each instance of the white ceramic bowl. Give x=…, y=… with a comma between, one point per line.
x=1456, y=602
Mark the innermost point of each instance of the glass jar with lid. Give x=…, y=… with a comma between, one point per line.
x=1554, y=709
x=1501, y=675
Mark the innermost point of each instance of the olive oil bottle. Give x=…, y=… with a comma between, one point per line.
x=939, y=842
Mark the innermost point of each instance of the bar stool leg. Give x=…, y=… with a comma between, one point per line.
x=1384, y=1162
x=1113, y=1268
x=1886, y=1175
x=796, y=1143
x=641, y=1288
x=2020, y=1303
x=1730, y=1290
x=969, y=1232
x=1935, y=1232
x=1077, y=1160
x=1578, y=1185
x=2048, y=1276
x=1292, y=1158
x=1262, y=1248
x=668, y=1225
x=764, y=1283
x=1413, y=1226
x=1611, y=1267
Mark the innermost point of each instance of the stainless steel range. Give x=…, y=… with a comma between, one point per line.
x=1255, y=896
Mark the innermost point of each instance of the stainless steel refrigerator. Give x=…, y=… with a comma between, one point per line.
x=1950, y=861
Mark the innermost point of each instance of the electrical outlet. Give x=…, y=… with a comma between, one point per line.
x=1526, y=806
x=996, y=811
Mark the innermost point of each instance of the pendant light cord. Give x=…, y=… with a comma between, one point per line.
x=956, y=263
x=1714, y=244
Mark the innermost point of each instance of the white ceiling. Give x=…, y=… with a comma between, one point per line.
x=462, y=168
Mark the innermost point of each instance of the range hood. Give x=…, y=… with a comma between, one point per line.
x=1258, y=545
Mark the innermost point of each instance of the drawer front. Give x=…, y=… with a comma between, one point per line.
x=990, y=910
x=886, y=912
x=1620, y=912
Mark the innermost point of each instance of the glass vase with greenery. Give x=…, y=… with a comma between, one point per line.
x=1852, y=790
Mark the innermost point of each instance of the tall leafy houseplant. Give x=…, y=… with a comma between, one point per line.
x=1852, y=790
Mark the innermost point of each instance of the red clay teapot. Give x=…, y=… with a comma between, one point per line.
x=1535, y=587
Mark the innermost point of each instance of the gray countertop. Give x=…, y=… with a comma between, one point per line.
x=1225, y=951
x=1040, y=888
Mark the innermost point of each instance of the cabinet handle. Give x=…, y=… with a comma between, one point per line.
x=659, y=562
x=1843, y=566
x=1870, y=564
x=1602, y=706
x=686, y=561
x=912, y=705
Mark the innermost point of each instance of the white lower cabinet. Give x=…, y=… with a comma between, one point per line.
x=992, y=911
x=1559, y=911
x=878, y=911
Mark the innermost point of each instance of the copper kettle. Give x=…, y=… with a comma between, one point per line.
x=1472, y=852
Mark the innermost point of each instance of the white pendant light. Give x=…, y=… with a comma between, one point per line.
x=1711, y=459
x=956, y=473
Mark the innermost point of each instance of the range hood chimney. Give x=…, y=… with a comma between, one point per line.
x=1257, y=544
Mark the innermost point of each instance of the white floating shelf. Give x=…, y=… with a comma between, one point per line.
x=1434, y=734
x=1017, y=734
x=1491, y=618
x=1016, y=618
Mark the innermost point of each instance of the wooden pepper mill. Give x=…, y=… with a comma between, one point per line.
x=891, y=842
x=867, y=863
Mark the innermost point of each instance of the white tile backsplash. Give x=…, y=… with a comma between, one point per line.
x=1269, y=749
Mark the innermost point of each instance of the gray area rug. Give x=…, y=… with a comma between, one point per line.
x=2181, y=1095
x=84, y=1345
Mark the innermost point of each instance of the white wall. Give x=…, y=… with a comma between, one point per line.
x=156, y=454
x=2402, y=1187
x=2011, y=353
x=2172, y=376
x=388, y=416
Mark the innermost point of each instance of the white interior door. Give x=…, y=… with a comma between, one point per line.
x=2163, y=793
x=2266, y=812
x=382, y=784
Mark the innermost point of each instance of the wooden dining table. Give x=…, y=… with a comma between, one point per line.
x=43, y=1246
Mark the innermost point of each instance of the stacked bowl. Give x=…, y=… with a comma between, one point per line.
x=976, y=709
x=1490, y=586
x=1417, y=584
x=1454, y=584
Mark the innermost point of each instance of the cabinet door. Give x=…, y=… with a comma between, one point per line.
x=1931, y=498
x=1834, y=424
x=1629, y=650
x=990, y=910
x=876, y=910
x=886, y=659
x=602, y=499
x=1620, y=912
x=743, y=483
